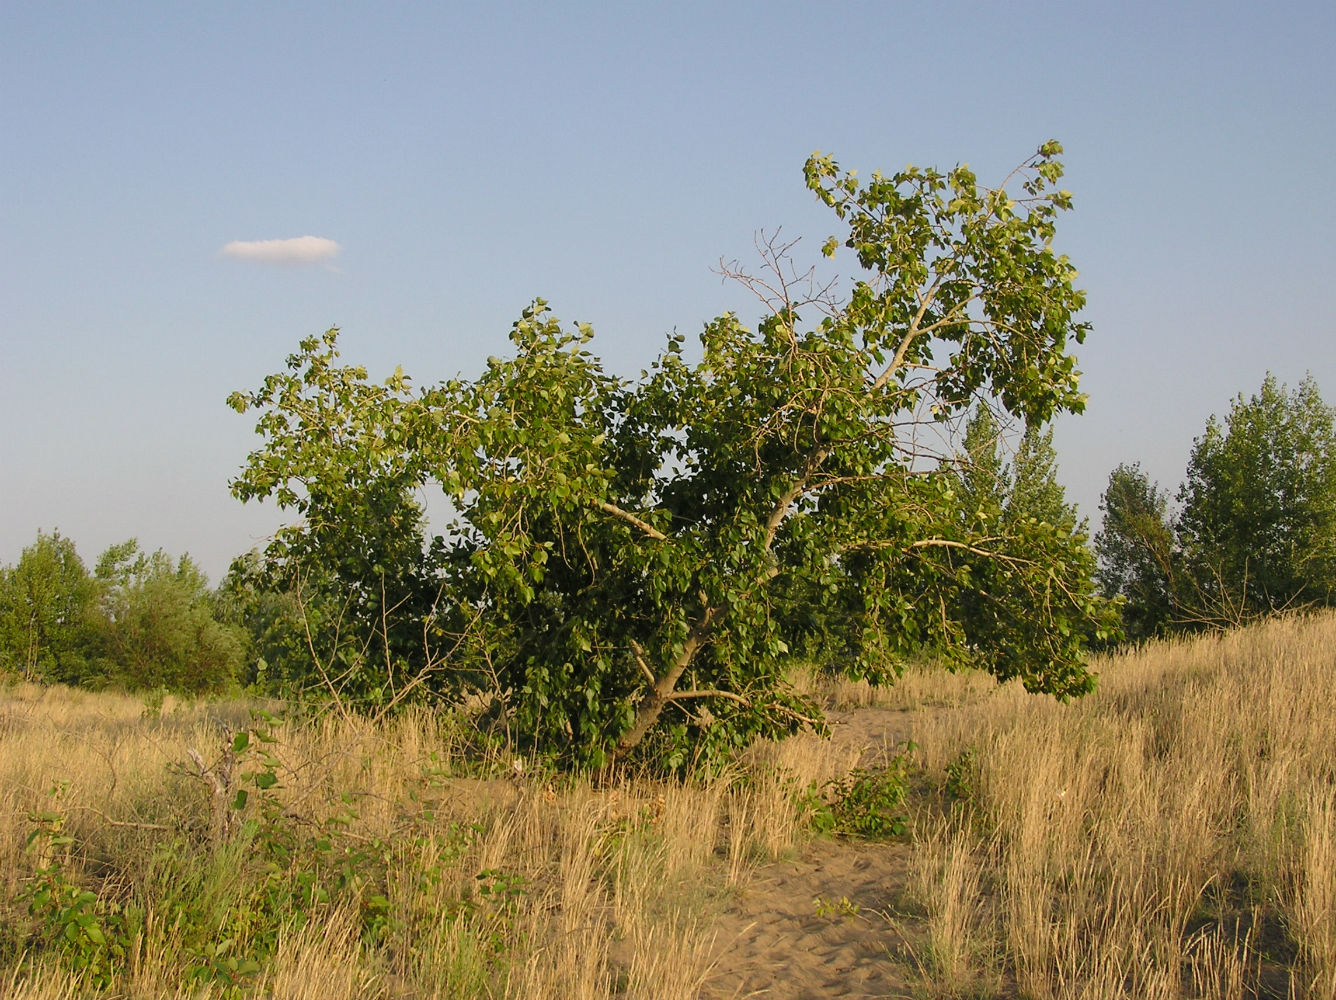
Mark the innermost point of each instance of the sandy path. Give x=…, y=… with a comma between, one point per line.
x=816, y=927
x=819, y=926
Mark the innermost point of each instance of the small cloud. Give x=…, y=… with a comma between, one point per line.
x=298, y=250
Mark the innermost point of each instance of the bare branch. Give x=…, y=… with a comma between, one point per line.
x=124, y=824
x=778, y=294
x=629, y=518
x=639, y=652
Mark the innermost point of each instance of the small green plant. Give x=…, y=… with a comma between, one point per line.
x=89, y=934
x=870, y=803
x=154, y=699
x=816, y=811
x=962, y=775
x=499, y=889
x=842, y=907
x=292, y=868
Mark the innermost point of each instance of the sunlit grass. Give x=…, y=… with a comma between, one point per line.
x=1170, y=836
x=1173, y=835
x=469, y=875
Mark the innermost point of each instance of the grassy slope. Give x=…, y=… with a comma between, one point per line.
x=1174, y=835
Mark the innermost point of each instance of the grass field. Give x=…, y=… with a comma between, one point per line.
x=1173, y=835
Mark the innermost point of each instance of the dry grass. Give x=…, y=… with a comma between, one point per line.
x=1173, y=835
x=921, y=685
x=464, y=878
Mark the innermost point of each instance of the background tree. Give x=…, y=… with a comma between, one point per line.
x=48, y=610
x=982, y=489
x=1258, y=521
x=1138, y=553
x=1001, y=498
x=984, y=475
x=1034, y=490
x=625, y=555
x=159, y=627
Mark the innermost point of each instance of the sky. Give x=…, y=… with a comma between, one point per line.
x=442, y=164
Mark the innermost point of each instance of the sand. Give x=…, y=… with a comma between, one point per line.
x=823, y=924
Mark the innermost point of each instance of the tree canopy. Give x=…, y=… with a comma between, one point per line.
x=1258, y=521
x=630, y=560
x=48, y=607
x=1019, y=498
x=1138, y=552
x=1256, y=529
x=138, y=621
x=160, y=627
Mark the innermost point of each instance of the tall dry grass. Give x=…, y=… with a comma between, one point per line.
x=465, y=877
x=1173, y=835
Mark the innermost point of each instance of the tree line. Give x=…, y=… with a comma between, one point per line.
x=1253, y=531
x=137, y=620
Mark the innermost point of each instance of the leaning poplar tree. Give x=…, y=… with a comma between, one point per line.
x=634, y=562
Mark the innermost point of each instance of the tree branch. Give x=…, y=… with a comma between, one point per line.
x=629, y=518
x=786, y=501
x=124, y=823
x=638, y=651
x=741, y=700
x=912, y=334
x=942, y=543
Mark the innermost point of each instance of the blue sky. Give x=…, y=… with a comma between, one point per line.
x=468, y=157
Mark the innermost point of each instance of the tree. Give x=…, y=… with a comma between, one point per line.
x=985, y=478
x=627, y=555
x=1035, y=490
x=1138, y=553
x=159, y=626
x=1020, y=498
x=1258, y=521
x=993, y=490
x=48, y=606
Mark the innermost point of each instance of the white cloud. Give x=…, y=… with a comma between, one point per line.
x=298, y=250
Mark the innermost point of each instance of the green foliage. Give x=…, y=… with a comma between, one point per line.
x=830, y=908
x=48, y=610
x=140, y=621
x=227, y=905
x=1138, y=553
x=962, y=776
x=159, y=627
x=346, y=603
x=1258, y=521
x=1022, y=504
x=271, y=610
x=985, y=479
x=871, y=803
x=1256, y=532
x=814, y=809
x=91, y=935
x=631, y=562
x=867, y=802
x=1035, y=490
